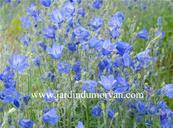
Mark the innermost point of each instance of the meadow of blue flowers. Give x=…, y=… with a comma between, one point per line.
x=97, y=46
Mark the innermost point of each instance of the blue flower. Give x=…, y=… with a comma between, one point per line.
x=42, y=45
x=49, y=32
x=37, y=61
x=118, y=62
x=114, y=32
x=25, y=22
x=25, y=123
x=107, y=82
x=18, y=63
x=117, y=20
x=25, y=39
x=123, y=47
x=7, y=77
x=80, y=125
x=68, y=9
x=80, y=34
x=167, y=90
x=51, y=117
x=126, y=59
x=89, y=86
x=26, y=99
x=96, y=111
x=103, y=65
x=111, y=113
x=10, y=95
x=31, y=11
x=81, y=11
x=143, y=34
x=159, y=21
x=160, y=33
x=97, y=4
x=95, y=42
x=45, y=3
x=64, y=67
x=144, y=58
x=57, y=16
x=77, y=69
x=121, y=85
x=72, y=47
x=96, y=22
x=49, y=96
x=107, y=47
x=48, y=76
x=56, y=51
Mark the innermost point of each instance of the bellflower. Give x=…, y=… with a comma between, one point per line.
x=111, y=113
x=123, y=47
x=89, y=86
x=57, y=16
x=49, y=96
x=69, y=9
x=167, y=90
x=80, y=33
x=72, y=47
x=48, y=76
x=55, y=51
x=45, y=3
x=31, y=11
x=107, y=82
x=81, y=12
x=25, y=22
x=51, y=117
x=117, y=20
x=49, y=32
x=143, y=34
x=10, y=95
x=96, y=22
x=114, y=32
x=80, y=125
x=96, y=111
x=18, y=63
x=25, y=123
x=77, y=69
x=25, y=39
x=95, y=43
x=144, y=58
x=64, y=67
x=97, y=4
x=26, y=99
x=121, y=85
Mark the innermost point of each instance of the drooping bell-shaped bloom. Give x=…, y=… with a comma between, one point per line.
x=167, y=90
x=49, y=96
x=143, y=34
x=107, y=82
x=25, y=22
x=51, y=117
x=55, y=51
x=111, y=113
x=117, y=20
x=96, y=111
x=72, y=47
x=18, y=63
x=97, y=4
x=123, y=47
x=10, y=95
x=121, y=85
x=96, y=22
x=57, y=16
x=25, y=123
x=89, y=86
x=81, y=12
x=7, y=77
x=95, y=42
x=64, y=67
x=77, y=69
x=80, y=33
x=49, y=32
x=68, y=9
x=46, y=3
x=80, y=125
